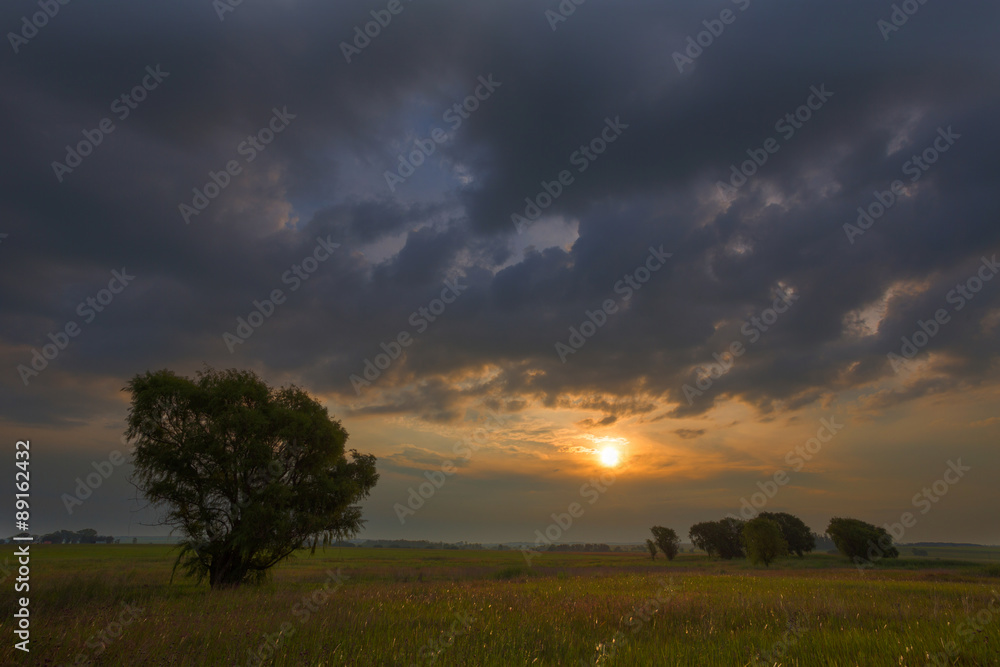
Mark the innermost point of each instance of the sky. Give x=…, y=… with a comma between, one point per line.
x=569, y=268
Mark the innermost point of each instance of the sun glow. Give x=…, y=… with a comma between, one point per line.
x=610, y=457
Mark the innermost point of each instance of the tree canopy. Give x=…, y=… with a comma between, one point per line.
x=247, y=473
x=861, y=541
x=721, y=539
x=797, y=535
x=763, y=540
x=666, y=539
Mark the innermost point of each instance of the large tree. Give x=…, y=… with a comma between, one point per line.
x=796, y=533
x=861, y=541
x=763, y=540
x=720, y=539
x=667, y=540
x=247, y=473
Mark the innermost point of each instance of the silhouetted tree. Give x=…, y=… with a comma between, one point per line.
x=763, y=540
x=248, y=473
x=860, y=541
x=797, y=535
x=667, y=540
x=651, y=548
x=720, y=539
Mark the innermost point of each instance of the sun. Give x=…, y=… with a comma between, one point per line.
x=610, y=457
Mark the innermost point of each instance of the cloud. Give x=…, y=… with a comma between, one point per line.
x=655, y=185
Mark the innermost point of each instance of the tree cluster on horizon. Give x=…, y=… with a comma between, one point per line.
x=85, y=536
x=771, y=535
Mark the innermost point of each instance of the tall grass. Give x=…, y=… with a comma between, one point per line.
x=403, y=607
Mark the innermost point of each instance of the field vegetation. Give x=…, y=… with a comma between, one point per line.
x=115, y=605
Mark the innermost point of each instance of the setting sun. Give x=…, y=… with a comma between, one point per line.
x=610, y=457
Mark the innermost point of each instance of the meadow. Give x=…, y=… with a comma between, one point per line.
x=115, y=605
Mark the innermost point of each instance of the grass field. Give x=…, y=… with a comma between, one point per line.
x=981, y=554
x=114, y=605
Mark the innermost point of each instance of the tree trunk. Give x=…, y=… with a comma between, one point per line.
x=227, y=569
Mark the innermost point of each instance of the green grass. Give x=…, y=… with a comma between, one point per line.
x=401, y=607
x=982, y=554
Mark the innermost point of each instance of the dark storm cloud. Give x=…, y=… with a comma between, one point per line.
x=322, y=177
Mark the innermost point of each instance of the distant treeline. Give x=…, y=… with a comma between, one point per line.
x=425, y=544
x=85, y=536
x=597, y=548
x=411, y=544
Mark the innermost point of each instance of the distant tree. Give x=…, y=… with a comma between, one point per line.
x=862, y=542
x=248, y=473
x=823, y=542
x=87, y=536
x=705, y=536
x=763, y=540
x=651, y=547
x=732, y=533
x=796, y=533
x=135, y=540
x=720, y=539
x=667, y=540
